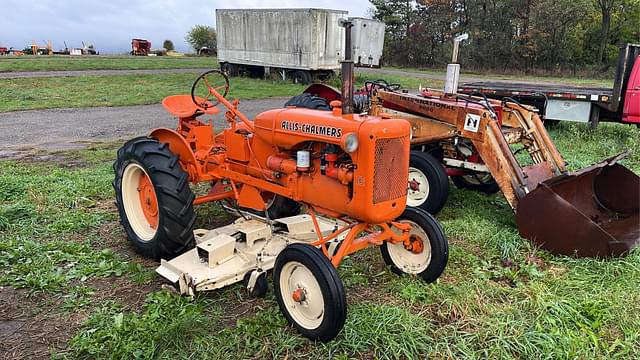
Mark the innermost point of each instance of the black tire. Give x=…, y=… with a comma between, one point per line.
x=229, y=69
x=278, y=207
x=308, y=101
x=335, y=302
x=261, y=286
x=302, y=77
x=481, y=183
x=175, y=216
x=439, y=245
x=282, y=207
x=429, y=168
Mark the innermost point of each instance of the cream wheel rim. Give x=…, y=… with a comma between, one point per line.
x=131, y=199
x=297, y=279
x=406, y=260
x=418, y=187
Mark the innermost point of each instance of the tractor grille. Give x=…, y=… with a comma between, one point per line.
x=390, y=169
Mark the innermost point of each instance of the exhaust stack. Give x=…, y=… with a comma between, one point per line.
x=347, y=69
x=453, y=69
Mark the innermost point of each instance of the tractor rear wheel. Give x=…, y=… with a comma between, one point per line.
x=428, y=186
x=308, y=101
x=309, y=292
x=429, y=250
x=153, y=198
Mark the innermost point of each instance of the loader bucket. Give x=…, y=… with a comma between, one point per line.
x=590, y=212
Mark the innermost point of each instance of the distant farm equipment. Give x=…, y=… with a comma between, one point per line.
x=47, y=50
x=140, y=47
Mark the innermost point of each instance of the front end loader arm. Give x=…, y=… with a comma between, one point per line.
x=589, y=212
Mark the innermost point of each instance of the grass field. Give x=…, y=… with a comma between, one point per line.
x=67, y=268
x=61, y=63
x=122, y=90
x=569, y=80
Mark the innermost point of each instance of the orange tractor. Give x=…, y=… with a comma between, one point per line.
x=349, y=171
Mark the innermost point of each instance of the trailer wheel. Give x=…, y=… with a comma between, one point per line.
x=308, y=101
x=302, y=77
x=153, y=199
x=477, y=182
x=428, y=186
x=429, y=251
x=230, y=69
x=309, y=292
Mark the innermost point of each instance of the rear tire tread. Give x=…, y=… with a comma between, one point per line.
x=175, y=199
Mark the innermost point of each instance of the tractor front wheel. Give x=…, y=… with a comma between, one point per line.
x=428, y=186
x=153, y=199
x=309, y=292
x=427, y=253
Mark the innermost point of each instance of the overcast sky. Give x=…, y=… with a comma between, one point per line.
x=111, y=24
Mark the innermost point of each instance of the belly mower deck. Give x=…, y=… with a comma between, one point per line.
x=243, y=250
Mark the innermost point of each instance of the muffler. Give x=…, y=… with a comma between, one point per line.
x=591, y=212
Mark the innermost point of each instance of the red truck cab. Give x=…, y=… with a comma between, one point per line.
x=631, y=108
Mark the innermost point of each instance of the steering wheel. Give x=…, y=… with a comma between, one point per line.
x=206, y=85
x=369, y=86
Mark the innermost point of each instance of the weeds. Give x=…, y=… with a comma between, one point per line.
x=499, y=297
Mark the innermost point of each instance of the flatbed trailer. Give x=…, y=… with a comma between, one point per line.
x=559, y=102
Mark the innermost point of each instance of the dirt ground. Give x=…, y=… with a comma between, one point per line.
x=64, y=129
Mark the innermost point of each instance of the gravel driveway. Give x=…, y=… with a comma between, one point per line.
x=58, y=129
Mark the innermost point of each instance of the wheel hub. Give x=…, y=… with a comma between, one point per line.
x=415, y=244
x=148, y=200
x=299, y=295
x=418, y=187
x=414, y=185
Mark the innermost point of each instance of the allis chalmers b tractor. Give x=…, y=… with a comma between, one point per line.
x=349, y=171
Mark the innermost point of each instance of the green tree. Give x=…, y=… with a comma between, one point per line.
x=168, y=44
x=202, y=36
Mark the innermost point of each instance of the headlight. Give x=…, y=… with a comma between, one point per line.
x=350, y=142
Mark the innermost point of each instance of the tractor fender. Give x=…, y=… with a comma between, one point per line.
x=179, y=146
x=327, y=92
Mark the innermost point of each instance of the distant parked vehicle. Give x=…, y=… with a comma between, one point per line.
x=368, y=41
x=4, y=51
x=301, y=44
x=576, y=103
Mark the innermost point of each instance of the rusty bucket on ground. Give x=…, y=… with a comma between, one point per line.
x=590, y=212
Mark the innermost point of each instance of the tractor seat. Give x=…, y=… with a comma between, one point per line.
x=182, y=106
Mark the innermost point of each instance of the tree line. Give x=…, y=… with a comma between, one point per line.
x=508, y=35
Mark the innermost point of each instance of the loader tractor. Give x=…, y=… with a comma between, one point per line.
x=309, y=187
x=490, y=145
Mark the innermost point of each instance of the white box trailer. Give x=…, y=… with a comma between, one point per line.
x=368, y=41
x=303, y=44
